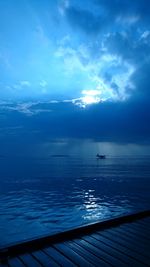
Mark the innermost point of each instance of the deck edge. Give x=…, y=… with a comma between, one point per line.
x=43, y=241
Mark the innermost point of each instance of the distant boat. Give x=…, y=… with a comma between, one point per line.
x=59, y=156
x=101, y=156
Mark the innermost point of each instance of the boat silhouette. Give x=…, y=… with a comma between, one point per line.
x=101, y=156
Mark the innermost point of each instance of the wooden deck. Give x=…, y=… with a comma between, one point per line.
x=122, y=241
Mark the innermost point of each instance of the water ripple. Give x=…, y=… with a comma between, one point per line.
x=84, y=193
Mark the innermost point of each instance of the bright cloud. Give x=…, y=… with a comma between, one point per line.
x=108, y=75
x=91, y=92
x=89, y=99
x=25, y=83
x=43, y=83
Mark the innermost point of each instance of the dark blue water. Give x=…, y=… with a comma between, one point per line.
x=50, y=194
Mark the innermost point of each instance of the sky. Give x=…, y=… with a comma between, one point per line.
x=73, y=69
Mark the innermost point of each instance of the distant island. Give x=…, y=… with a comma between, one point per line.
x=60, y=156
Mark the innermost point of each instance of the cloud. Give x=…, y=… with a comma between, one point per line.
x=97, y=16
x=125, y=122
x=126, y=9
x=145, y=34
x=20, y=85
x=22, y=107
x=25, y=83
x=27, y=108
x=84, y=20
x=115, y=36
x=128, y=20
x=141, y=79
x=63, y=5
x=104, y=73
x=43, y=83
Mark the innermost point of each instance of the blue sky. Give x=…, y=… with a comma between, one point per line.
x=76, y=69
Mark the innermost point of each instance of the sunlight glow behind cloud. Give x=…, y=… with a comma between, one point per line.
x=89, y=99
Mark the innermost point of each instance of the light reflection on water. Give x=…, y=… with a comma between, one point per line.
x=44, y=196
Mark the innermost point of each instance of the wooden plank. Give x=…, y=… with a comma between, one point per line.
x=44, y=259
x=29, y=260
x=134, y=235
x=132, y=254
x=130, y=229
x=116, y=251
x=58, y=257
x=140, y=224
x=15, y=262
x=110, y=256
x=72, y=255
x=97, y=252
x=127, y=245
x=146, y=219
x=94, y=253
x=143, y=225
x=138, y=247
x=3, y=263
x=140, y=228
x=84, y=253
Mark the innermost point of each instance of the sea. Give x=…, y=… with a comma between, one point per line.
x=46, y=195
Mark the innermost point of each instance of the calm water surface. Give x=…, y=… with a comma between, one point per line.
x=47, y=195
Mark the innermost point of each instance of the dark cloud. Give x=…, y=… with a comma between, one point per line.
x=84, y=20
x=141, y=79
x=122, y=27
x=129, y=46
x=115, y=87
x=115, y=7
x=127, y=122
x=121, y=45
x=125, y=7
x=109, y=13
